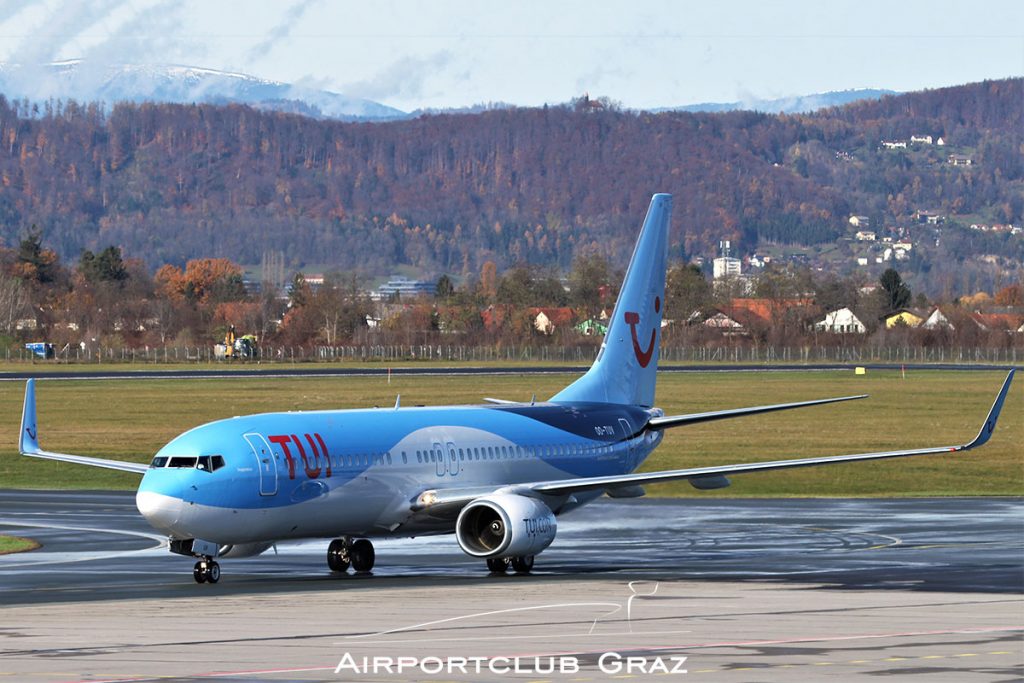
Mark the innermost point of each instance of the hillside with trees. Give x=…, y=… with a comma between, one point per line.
x=447, y=193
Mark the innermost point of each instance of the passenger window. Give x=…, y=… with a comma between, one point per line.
x=389, y=458
x=405, y=460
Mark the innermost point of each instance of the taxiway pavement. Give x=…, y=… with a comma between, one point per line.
x=748, y=590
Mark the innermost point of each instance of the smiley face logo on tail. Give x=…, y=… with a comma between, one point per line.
x=643, y=356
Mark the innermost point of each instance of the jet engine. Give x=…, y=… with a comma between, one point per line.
x=242, y=550
x=505, y=525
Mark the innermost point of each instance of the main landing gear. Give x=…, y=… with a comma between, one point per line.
x=206, y=571
x=344, y=552
x=521, y=564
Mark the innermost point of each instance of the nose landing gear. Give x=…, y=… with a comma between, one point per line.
x=206, y=571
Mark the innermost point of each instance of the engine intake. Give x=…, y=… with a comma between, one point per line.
x=505, y=525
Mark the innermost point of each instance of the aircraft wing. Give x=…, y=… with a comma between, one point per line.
x=28, y=442
x=455, y=498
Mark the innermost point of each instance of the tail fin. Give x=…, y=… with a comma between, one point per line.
x=627, y=363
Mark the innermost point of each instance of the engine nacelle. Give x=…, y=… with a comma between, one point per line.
x=505, y=525
x=242, y=550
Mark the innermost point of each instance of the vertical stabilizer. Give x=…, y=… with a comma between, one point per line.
x=627, y=363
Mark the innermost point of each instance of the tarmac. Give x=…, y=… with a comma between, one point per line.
x=745, y=590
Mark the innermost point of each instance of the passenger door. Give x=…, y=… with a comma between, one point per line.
x=266, y=463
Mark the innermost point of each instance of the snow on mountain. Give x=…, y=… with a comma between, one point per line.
x=800, y=104
x=85, y=82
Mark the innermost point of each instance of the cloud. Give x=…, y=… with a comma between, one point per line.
x=291, y=18
x=403, y=79
x=101, y=35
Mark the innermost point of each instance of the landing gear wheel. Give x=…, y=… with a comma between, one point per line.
x=338, y=556
x=362, y=555
x=206, y=571
x=522, y=564
x=497, y=565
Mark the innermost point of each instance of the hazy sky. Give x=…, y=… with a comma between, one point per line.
x=438, y=53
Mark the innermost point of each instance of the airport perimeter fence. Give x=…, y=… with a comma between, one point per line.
x=570, y=355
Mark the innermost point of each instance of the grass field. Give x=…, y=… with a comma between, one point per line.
x=16, y=544
x=132, y=419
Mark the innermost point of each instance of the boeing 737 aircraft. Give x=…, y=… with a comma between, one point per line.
x=496, y=475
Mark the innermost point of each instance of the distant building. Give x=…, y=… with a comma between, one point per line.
x=922, y=139
x=721, y=321
x=903, y=317
x=404, y=287
x=862, y=260
x=940, y=142
x=860, y=221
x=547, y=320
x=726, y=266
x=865, y=236
x=842, y=321
x=930, y=217
x=960, y=160
x=591, y=327
x=894, y=144
x=937, y=320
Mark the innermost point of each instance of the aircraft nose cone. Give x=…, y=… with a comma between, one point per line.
x=162, y=512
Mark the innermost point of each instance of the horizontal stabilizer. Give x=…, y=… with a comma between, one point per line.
x=680, y=420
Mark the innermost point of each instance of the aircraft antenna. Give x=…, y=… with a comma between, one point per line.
x=398, y=401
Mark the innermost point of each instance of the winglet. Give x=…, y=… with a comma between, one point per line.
x=29, y=442
x=993, y=415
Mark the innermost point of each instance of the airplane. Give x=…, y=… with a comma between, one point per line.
x=496, y=475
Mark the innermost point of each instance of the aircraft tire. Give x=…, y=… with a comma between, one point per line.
x=338, y=556
x=362, y=555
x=522, y=564
x=212, y=572
x=199, y=572
x=497, y=565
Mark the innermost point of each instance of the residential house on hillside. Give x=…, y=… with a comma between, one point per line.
x=865, y=235
x=842, y=321
x=921, y=139
x=960, y=160
x=930, y=217
x=894, y=144
x=860, y=221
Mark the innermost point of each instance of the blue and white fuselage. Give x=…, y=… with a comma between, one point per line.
x=356, y=472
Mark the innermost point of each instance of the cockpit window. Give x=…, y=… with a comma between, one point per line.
x=158, y=461
x=182, y=461
x=210, y=463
